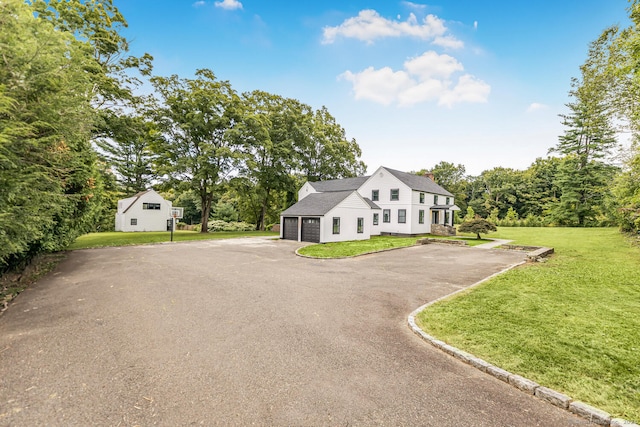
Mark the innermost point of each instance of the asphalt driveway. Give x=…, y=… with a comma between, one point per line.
x=244, y=332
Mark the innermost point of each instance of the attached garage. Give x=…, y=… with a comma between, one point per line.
x=311, y=230
x=316, y=215
x=290, y=226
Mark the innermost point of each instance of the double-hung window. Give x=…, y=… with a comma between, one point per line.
x=421, y=216
x=336, y=225
x=421, y=197
x=375, y=195
x=395, y=194
x=375, y=218
x=360, y=225
x=386, y=215
x=435, y=200
x=402, y=216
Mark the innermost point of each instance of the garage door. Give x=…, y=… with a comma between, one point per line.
x=311, y=230
x=290, y=229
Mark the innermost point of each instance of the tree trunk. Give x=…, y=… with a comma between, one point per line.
x=206, y=210
x=263, y=212
x=478, y=236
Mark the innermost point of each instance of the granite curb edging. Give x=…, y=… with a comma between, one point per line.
x=587, y=412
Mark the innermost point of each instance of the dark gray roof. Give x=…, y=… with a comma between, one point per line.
x=371, y=204
x=339, y=184
x=419, y=183
x=317, y=204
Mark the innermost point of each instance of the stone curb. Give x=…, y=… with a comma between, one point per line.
x=590, y=413
x=351, y=256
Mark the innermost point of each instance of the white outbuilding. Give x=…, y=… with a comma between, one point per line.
x=146, y=211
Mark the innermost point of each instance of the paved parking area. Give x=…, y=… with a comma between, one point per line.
x=244, y=332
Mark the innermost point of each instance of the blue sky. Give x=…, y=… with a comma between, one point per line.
x=475, y=82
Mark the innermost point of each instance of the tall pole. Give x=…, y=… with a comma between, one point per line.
x=172, y=220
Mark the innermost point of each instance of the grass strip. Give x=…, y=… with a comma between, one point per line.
x=116, y=238
x=571, y=324
x=375, y=244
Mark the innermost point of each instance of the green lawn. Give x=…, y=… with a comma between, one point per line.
x=356, y=247
x=571, y=324
x=376, y=243
x=98, y=240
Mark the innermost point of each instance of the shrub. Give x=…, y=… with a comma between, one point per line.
x=477, y=226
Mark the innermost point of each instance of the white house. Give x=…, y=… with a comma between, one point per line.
x=391, y=202
x=146, y=211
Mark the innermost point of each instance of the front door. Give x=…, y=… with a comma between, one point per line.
x=435, y=217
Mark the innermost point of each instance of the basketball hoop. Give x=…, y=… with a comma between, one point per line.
x=176, y=213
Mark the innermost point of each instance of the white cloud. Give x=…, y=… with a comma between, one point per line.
x=469, y=89
x=199, y=3
x=369, y=26
x=414, y=6
x=448, y=42
x=428, y=77
x=535, y=106
x=431, y=64
x=381, y=86
x=229, y=4
x=475, y=25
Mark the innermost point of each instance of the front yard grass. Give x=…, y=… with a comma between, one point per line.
x=375, y=244
x=571, y=324
x=117, y=238
x=356, y=247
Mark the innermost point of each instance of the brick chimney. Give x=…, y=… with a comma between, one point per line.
x=430, y=176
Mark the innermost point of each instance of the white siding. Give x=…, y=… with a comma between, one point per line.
x=384, y=182
x=349, y=210
x=305, y=190
x=146, y=219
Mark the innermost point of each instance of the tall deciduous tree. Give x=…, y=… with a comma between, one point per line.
x=99, y=23
x=323, y=150
x=268, y=132
x=195, y=117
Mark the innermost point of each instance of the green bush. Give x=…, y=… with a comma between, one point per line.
x=219, y=225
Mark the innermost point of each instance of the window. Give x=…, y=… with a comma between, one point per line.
x=375, y=218
x=435, y=200
x=402, y=216
x=375, y=195
x=336, y=225
x=435, y=217
x=134, y=221
x=421, y=216
x=151, y=206
x=448, y=200
x=395, y=194
x=421, y=197
x=386, y=215
x=360, y=225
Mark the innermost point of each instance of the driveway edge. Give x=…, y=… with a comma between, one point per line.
x=555, y=398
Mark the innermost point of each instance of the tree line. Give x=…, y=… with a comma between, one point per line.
x=590, y=180
x=76, y=136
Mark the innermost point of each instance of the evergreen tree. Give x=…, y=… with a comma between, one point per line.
x=589, y=138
